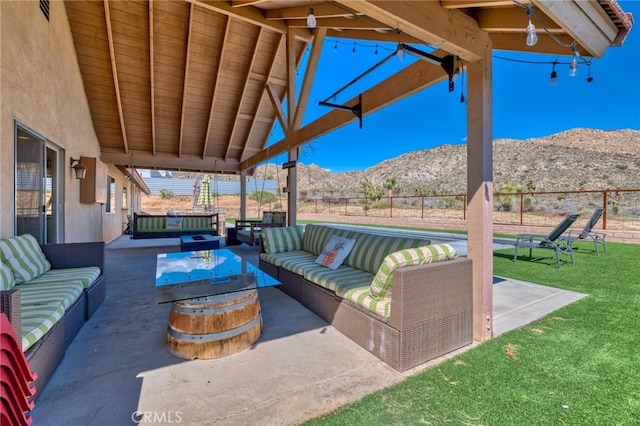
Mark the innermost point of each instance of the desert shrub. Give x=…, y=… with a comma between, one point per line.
x=380, y=204
x=262, y=196
x=166, y=194
x=621, y=166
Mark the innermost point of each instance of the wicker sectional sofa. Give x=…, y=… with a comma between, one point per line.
x=404, y=300
x=48, y=292
x=173, y=226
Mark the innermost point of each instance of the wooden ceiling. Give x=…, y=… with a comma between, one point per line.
x=198, y=85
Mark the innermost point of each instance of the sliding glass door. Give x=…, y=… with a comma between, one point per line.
x=39, y=187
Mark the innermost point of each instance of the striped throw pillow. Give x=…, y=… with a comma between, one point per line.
x=279, y=239
x=25, y=257
x=6, y=277
x=409, y=257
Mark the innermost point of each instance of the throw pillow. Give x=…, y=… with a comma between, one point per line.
x=335, y=252
x=6, y=277
x=381, y=284
x=288, y=238
x=25, y=257
x=174, y=222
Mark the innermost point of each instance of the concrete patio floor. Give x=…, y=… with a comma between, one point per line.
x=118, y=371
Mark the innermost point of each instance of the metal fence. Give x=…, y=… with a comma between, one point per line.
x=622, y=207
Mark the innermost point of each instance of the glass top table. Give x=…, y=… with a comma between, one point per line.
x=189, y=275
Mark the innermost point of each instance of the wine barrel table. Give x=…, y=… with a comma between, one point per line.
x=214, y=326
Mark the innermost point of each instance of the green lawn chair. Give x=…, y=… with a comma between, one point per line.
x=552, y=241
x=588, y=233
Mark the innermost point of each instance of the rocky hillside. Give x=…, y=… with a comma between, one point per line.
x=577, y=159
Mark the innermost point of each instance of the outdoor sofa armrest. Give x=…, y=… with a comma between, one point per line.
x=430, y=293
x=75, y=255
x=10, y=306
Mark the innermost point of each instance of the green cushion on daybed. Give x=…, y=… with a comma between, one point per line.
x=62, y=292
x=24, y=256
x=360, y=296
x=37, y=319
x=316, y=237
x=6, y=277
x=331, y=278
x=408, y=257
x=280, y=239
x=370, y=250
x=86, y=275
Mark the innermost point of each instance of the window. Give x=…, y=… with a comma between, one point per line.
x=124, y=198
x=111, y=195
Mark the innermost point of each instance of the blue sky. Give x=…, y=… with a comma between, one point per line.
x=525, y=105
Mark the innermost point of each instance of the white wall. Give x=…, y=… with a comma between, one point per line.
x=41, y=86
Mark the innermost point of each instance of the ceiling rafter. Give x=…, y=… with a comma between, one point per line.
x=215, y=86
x=152, y=80
x=513, y=20
x=242, y=3
x=450, y=30
x=114, y=72
x=342, y=23
x=309, y=76
x=186, y=77
x=169, y=161
x=264, y=93
x=277, y=106
x=464, y=4
x=321, y=10
x=244, y=91
x=292, y=66
x=406, y=82
x=248, y=14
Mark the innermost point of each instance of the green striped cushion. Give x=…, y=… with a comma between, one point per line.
x=25, y=257
x=279, y=239
x=37, y=319
x=85, y=275
x=361, y=297
x=417, y=256
x=151, y=222
x=299, y=264
x=64, y=293
x=195, y=222
x=370, y=250
x=316, y=237
x=332, y=278
x=278, y=258
x=6, y=277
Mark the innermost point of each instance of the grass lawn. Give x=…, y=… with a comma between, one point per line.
x=578, y=366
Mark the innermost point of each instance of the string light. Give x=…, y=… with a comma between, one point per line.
x=375, y=53
x=354, y=48
x=554, y=75
x=311, y=18
x=573, y=68
x=400, y=54
x=532, y=37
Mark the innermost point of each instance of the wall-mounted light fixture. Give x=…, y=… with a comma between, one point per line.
x=78, y=167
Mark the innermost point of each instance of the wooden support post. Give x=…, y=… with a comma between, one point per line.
x=293, y=188
x=480, y=193
x=243, y=195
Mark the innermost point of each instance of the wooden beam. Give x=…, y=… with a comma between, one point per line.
x=310, y=73
x=242, y=3
x=167, y=161
x=480, y=193
x=244, y=91
x=292, y=66
x=342, y=23
x=264, y=93
x=186, y=77
x=582, y=21
x=277, y=106
x=320, y=10
x=152, y=80
x=464, y=4
x=406, y=82
x=248, y=14
x=513, y=20
x=114, y=72
x=215, y=86
x=452, y=31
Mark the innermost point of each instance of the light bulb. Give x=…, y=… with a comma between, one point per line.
x=532, y=37
x=573, y=68
x=400, y=52
x=311, y=19
x=554, y=77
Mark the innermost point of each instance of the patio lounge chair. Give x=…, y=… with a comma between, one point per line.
x=249, y=231
x=552, y=241
x=588, y=233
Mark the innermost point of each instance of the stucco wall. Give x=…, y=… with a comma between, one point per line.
x=41, y=86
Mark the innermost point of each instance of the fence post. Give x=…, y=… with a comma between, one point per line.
x=390, y=206
x=316, y=206
x=366, y=206
x=604, y=206
x=422, y=207
x=346, y=206
x=521, y=206
x=464, y=207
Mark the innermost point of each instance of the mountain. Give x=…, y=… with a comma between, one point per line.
x=577, y=159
